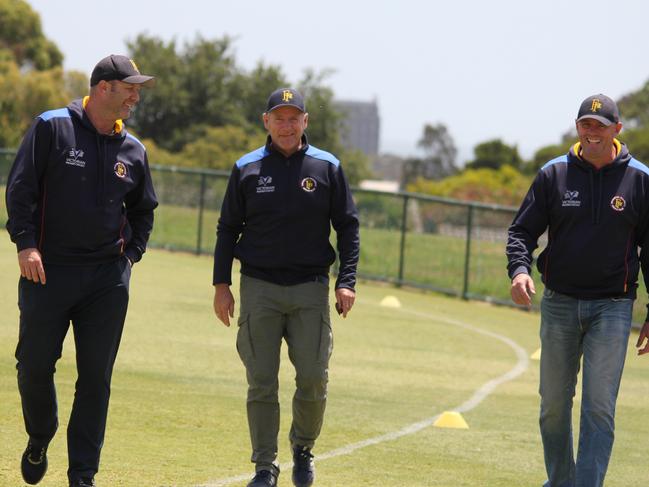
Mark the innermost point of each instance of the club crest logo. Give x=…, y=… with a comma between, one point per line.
x=120, y=169
x=571, y=198
x=75, y=158
x=287, y=95
x=264, y=184
x=618, y=203
x=309, y=185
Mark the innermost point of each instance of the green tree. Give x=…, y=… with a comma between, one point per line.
x=221, y=147
x=198, y=86
x=21, y=34
x=356, y=166
x=637, y=141
x=24, y=95
x=439, y=158
x=31, y=77
x=191, y=89
x=504, y=186
x=634, y=107
x=493, y=154
x=250, y=91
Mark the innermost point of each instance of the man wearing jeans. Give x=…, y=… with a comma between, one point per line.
x=594, y=202
x=277, y=214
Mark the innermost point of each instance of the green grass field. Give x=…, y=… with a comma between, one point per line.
x=177, y=415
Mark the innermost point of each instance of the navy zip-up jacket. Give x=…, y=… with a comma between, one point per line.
x=78, y=196
x=597, y=223
x=277, y=214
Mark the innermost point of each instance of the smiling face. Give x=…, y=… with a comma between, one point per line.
x=597, y=140
x=122, y=99
x=286, y=125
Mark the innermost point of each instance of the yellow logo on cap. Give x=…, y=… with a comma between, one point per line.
x=595, y=105
x=287, y=95
x=134, y=66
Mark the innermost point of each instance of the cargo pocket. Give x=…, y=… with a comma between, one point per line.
x=244, y=341
x=326, y=339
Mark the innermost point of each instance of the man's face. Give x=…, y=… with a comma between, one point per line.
x=122, y=99
x=596, y=138
x=286, y=126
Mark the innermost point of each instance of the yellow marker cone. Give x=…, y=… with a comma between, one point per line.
x=391, y=302
x=536, y=355
x=451, y=419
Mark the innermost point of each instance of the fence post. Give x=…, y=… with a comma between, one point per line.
x=402, y=249
x=467, y=253
x=201, y=204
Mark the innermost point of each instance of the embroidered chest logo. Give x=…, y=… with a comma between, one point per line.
x=75, y=158
x=264, y=184
x=571, y=198
x=309, y=185
x=120, y=169
x=618, y=203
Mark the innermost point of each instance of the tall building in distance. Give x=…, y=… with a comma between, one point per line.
x=360, y=125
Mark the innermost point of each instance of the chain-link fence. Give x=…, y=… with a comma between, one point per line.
x=453, y=247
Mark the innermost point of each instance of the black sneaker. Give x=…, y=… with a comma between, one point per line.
x=34, y=463
x=83, y=482
x=263, y=478
x=303, y=467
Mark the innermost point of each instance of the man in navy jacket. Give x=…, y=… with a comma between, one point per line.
x=80, y=202
x=280, y=204
x=594, y=202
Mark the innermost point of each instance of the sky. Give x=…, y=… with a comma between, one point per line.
x=510, y=69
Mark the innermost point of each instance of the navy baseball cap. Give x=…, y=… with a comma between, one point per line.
x=120, y=68
x=285, y=97
x=601, y=108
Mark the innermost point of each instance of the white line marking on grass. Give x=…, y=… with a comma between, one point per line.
x=478, y=396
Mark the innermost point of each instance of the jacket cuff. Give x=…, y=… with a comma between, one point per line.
x=26, y=241
x=342, y=284
x=519, y=270
x=134, y=254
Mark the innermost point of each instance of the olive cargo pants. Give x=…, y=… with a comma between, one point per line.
x=300, y=315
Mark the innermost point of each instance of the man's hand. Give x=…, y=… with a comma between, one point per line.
x=644, y=334
x=523, y=289
x=223, y=303
x=344, y=300
x=31, y=265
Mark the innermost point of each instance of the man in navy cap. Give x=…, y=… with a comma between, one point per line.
x=80, y=202
x=277, y=211
x=594, y=202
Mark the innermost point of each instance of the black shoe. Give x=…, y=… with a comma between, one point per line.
x=263, y=478
x=34, y=463
x=83, y=482
x=303, y=467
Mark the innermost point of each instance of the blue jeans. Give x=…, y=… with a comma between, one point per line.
x=598, y=330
